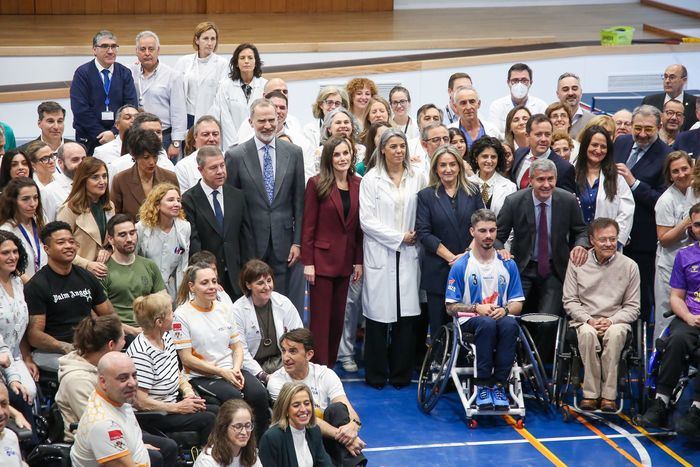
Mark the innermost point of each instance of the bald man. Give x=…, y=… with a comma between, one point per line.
x=70, y=156
x=674, y=80
x=623, y=122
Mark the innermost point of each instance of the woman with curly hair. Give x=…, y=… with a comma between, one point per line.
x=360, y=91
x=164, y=234
x=230, y=442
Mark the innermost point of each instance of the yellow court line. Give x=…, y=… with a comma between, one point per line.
x=658, y=443
x=612, y=443
x=535, y=442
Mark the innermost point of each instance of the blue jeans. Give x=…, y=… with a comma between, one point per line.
x=490, y=335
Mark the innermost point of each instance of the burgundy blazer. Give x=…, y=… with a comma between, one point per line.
x=329, y=241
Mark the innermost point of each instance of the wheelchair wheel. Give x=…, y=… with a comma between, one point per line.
x=535, y=370
x=434, y=373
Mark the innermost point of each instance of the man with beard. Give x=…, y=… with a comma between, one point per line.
x=70, y=156
x=483, y=289
x=128, y=274
x=569, y=92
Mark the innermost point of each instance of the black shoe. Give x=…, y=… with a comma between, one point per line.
x=656, y=414
x=689, y=424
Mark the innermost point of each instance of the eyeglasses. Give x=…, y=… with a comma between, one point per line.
x=672, y=77
x=239, y=427
x=439, y=139
x=106, y=47
x=645, y=129
x=47, y=159
x=524, y=81
x=401, y=103
x=332, y=104
x=671, y=113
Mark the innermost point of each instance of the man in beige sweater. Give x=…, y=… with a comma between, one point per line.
x=601, y=297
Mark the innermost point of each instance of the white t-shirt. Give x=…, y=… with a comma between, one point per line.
x=323, y=382
x=106, y=432
x=10, y=454
x=205, y=460
x=209, y=333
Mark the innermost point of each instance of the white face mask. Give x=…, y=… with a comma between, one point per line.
x=519, y=90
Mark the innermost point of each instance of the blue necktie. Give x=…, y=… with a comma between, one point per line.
x=107, y=81
x=217, y=209
x=268, y=174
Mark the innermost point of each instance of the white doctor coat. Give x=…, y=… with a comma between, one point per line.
x=231, y=108
x=207, y=79
x=621, y=208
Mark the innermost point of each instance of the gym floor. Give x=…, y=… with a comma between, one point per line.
x=397, y=433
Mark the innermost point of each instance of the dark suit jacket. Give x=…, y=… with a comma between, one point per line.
x=689, y=101
x=437, y=223
x=281, y=219
x=568, y=228
x=277, y=448
x=566, y=177
x=232, y=246
x=649, y=170
x=689, y=141
x=331, y=242
x=87, y=100
x=127, y=193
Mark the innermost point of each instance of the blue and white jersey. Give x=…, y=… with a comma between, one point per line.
x=472, y=282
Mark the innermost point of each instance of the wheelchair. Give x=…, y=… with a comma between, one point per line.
x=567, y=372
x=452, y=357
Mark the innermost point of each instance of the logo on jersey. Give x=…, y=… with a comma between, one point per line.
x=694, y=268
x=501, y=279
x=451, y=285
x=115, y=434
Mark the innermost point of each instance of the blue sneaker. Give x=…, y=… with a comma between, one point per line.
x=500, y=399
x=483, y=398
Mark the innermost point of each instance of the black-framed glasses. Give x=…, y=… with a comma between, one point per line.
x=47, y=159
x=401, y=103
x=439, y=139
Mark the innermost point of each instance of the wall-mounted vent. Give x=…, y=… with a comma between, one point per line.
x=631, y=83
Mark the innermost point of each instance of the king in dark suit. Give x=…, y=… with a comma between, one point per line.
x=675, y=78
x=99, y=88
x=219, y=218
x=270, y=172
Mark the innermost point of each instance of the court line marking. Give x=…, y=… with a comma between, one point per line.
x=641, y=450
x=496, y=442
x=658, y=443
x=604, y=437
x=551, y=457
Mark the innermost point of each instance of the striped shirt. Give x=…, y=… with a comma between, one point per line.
x=156, y=369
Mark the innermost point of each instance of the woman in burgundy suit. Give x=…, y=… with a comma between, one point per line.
x=331, y=249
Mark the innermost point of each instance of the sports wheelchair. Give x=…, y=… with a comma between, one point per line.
x=452, y=357
x=567, y=374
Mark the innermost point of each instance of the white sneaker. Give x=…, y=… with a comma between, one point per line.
x=349, y=365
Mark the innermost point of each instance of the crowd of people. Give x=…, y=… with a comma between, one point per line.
x=159, y=262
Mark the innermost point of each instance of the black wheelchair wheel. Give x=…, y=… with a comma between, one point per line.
x=434, y=373
x=535, y=373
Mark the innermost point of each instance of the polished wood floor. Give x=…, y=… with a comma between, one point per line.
x=56, y=35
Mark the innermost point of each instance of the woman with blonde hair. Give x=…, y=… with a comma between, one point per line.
x=230, y=442
x=87, y=210
x=606, y=121
x=164, y=234
x=159, y=378
x=202, y=71
x=328, y=99
x=294, y=439
x=378, y=110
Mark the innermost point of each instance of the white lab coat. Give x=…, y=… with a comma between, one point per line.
x=208, y=80
x=621, y=208
x=381, y=242
x=284, y=314
x=231, y=108
x=187, y=172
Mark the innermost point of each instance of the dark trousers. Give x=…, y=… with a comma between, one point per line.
x=166, y=455
x=254, y=393
x=288, y=281
x=493, y=336
x=328, y=297
x=200, y=422
x=337, y=415
x=190, y=121
x=645, y=261
x=542, y=295
x=228, y=288
x=389, y=351
x=437, y=314
x=682, y=341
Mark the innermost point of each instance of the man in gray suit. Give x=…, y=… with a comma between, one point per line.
x=569, y=92
x=270, y=172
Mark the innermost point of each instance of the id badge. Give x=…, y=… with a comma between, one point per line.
x=107, y=115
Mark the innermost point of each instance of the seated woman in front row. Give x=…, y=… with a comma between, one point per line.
x=210, y=348
x=262, y=315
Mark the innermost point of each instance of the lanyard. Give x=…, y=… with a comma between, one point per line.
x=107, y=84
x=37, y=253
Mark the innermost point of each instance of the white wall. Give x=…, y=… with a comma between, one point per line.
x=430, y=85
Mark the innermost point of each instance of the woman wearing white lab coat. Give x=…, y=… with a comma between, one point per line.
x=388, y=201
x=236, y=92
x=598, y=197
x=251, y=313
x=202, y=71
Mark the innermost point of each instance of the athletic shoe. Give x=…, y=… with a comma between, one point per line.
x=484, y=401
x=500, y=399
x=349, y=365
x=656, y=414
x=689, y=424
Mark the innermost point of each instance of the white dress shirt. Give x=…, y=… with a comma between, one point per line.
x=526, y=163
x=163, y=94
x=109, y=152
x=187, y=172
x=498, y=111
x=208, y=192
x=261, y=155
x=54, y=195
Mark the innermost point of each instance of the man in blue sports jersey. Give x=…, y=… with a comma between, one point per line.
x=484, y=290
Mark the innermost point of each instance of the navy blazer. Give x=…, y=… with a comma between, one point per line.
x=649, y=170
x=437, y=223
x=277, y=448
x=566, y=177
x=87, y=99
x=689, y=102
x=689, y=141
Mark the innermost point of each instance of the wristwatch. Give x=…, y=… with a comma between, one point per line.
x=176, y=144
